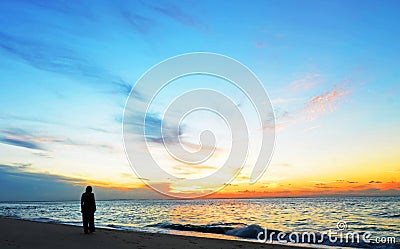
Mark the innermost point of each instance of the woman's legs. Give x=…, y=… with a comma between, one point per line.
x=85, y=220
x=91, y=222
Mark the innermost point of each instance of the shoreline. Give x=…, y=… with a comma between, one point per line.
x=16, y=233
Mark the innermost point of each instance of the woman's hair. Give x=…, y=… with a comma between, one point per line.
x=89, y=189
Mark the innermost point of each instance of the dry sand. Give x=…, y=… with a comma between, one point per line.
x=29, y=234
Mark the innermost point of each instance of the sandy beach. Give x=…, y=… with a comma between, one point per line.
x=29, y=234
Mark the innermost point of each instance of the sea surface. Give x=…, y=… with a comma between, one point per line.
x=234, y=219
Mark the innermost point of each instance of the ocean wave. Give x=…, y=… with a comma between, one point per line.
x=233, y=229
x=45, y=220
x=253, y=232
x=112, y=226
x=217, y=228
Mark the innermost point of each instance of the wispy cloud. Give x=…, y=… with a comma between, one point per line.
x=305, y=83
x=193, y=170
x=20, y=143
x=38, y=141
x=174, y=12
x=312, y=128
x=64, y=7
x=22, y=165
x=31, y=120
x=43, y=155
x=54, y=48
x=138, y=22
x=397, y=171
x=293, y=110
x=154, y=129
x=282, y=164
x=288, y=109
x=19, y=183
x=22, y=138
x=286, y=100
x=278, y=119
x=260, y=44
x=57, y=58
x=325, y=102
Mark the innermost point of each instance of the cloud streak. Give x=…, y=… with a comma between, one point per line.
x=138, y=22
x=19, y=184
x=22, y=138
x=20, y=143
x=287, y=111
x=54, y=49
x=59, y=59
x=325, y=102
x=174, y=12
x=153, y=130
x=25, y=139
x=307, y=82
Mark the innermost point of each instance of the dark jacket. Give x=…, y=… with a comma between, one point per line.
x=88, y=204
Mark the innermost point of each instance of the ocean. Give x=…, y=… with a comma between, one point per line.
x=234, y=219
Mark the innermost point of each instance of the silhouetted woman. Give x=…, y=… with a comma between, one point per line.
x=88, y=207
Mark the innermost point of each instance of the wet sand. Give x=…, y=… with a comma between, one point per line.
x=29, y=234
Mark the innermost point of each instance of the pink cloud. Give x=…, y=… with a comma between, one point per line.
x=313, y=107
x=260, y=44
x=325, y=102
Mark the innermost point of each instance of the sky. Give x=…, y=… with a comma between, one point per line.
x=330, y=69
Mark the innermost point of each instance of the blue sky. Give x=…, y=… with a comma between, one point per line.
x=329, y=67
